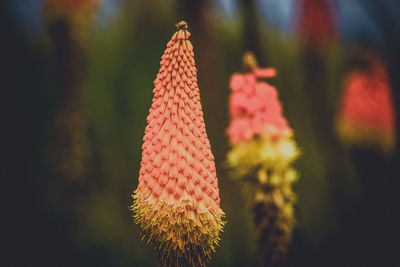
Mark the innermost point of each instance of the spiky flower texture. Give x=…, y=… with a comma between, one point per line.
x=177, y=201
x=262, y=152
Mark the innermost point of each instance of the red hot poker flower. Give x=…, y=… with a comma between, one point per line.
x=367, y=110
x=177, y=201
x=263, y=150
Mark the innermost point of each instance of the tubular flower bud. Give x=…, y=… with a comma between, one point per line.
x=262, y=152
x=367, y=111
x=177, y=201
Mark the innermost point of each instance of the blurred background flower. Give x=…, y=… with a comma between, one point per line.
x=347, y=197
x=261, y=154
x=366, y=112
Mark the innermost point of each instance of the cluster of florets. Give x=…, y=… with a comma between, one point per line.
x=254, y=107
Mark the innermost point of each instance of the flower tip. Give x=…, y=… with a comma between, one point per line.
x=181, y=25
x=249, y=61
x=182, y=33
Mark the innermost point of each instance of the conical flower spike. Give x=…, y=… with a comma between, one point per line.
x=177, y=201
x=262, y=152
x=367, y=111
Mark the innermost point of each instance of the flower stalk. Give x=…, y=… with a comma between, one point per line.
x=68, y=24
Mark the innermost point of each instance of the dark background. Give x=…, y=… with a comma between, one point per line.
x=348, y=197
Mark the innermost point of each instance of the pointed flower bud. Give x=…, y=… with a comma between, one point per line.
x=262, y=152
x=367, y=110
x=177, y=201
